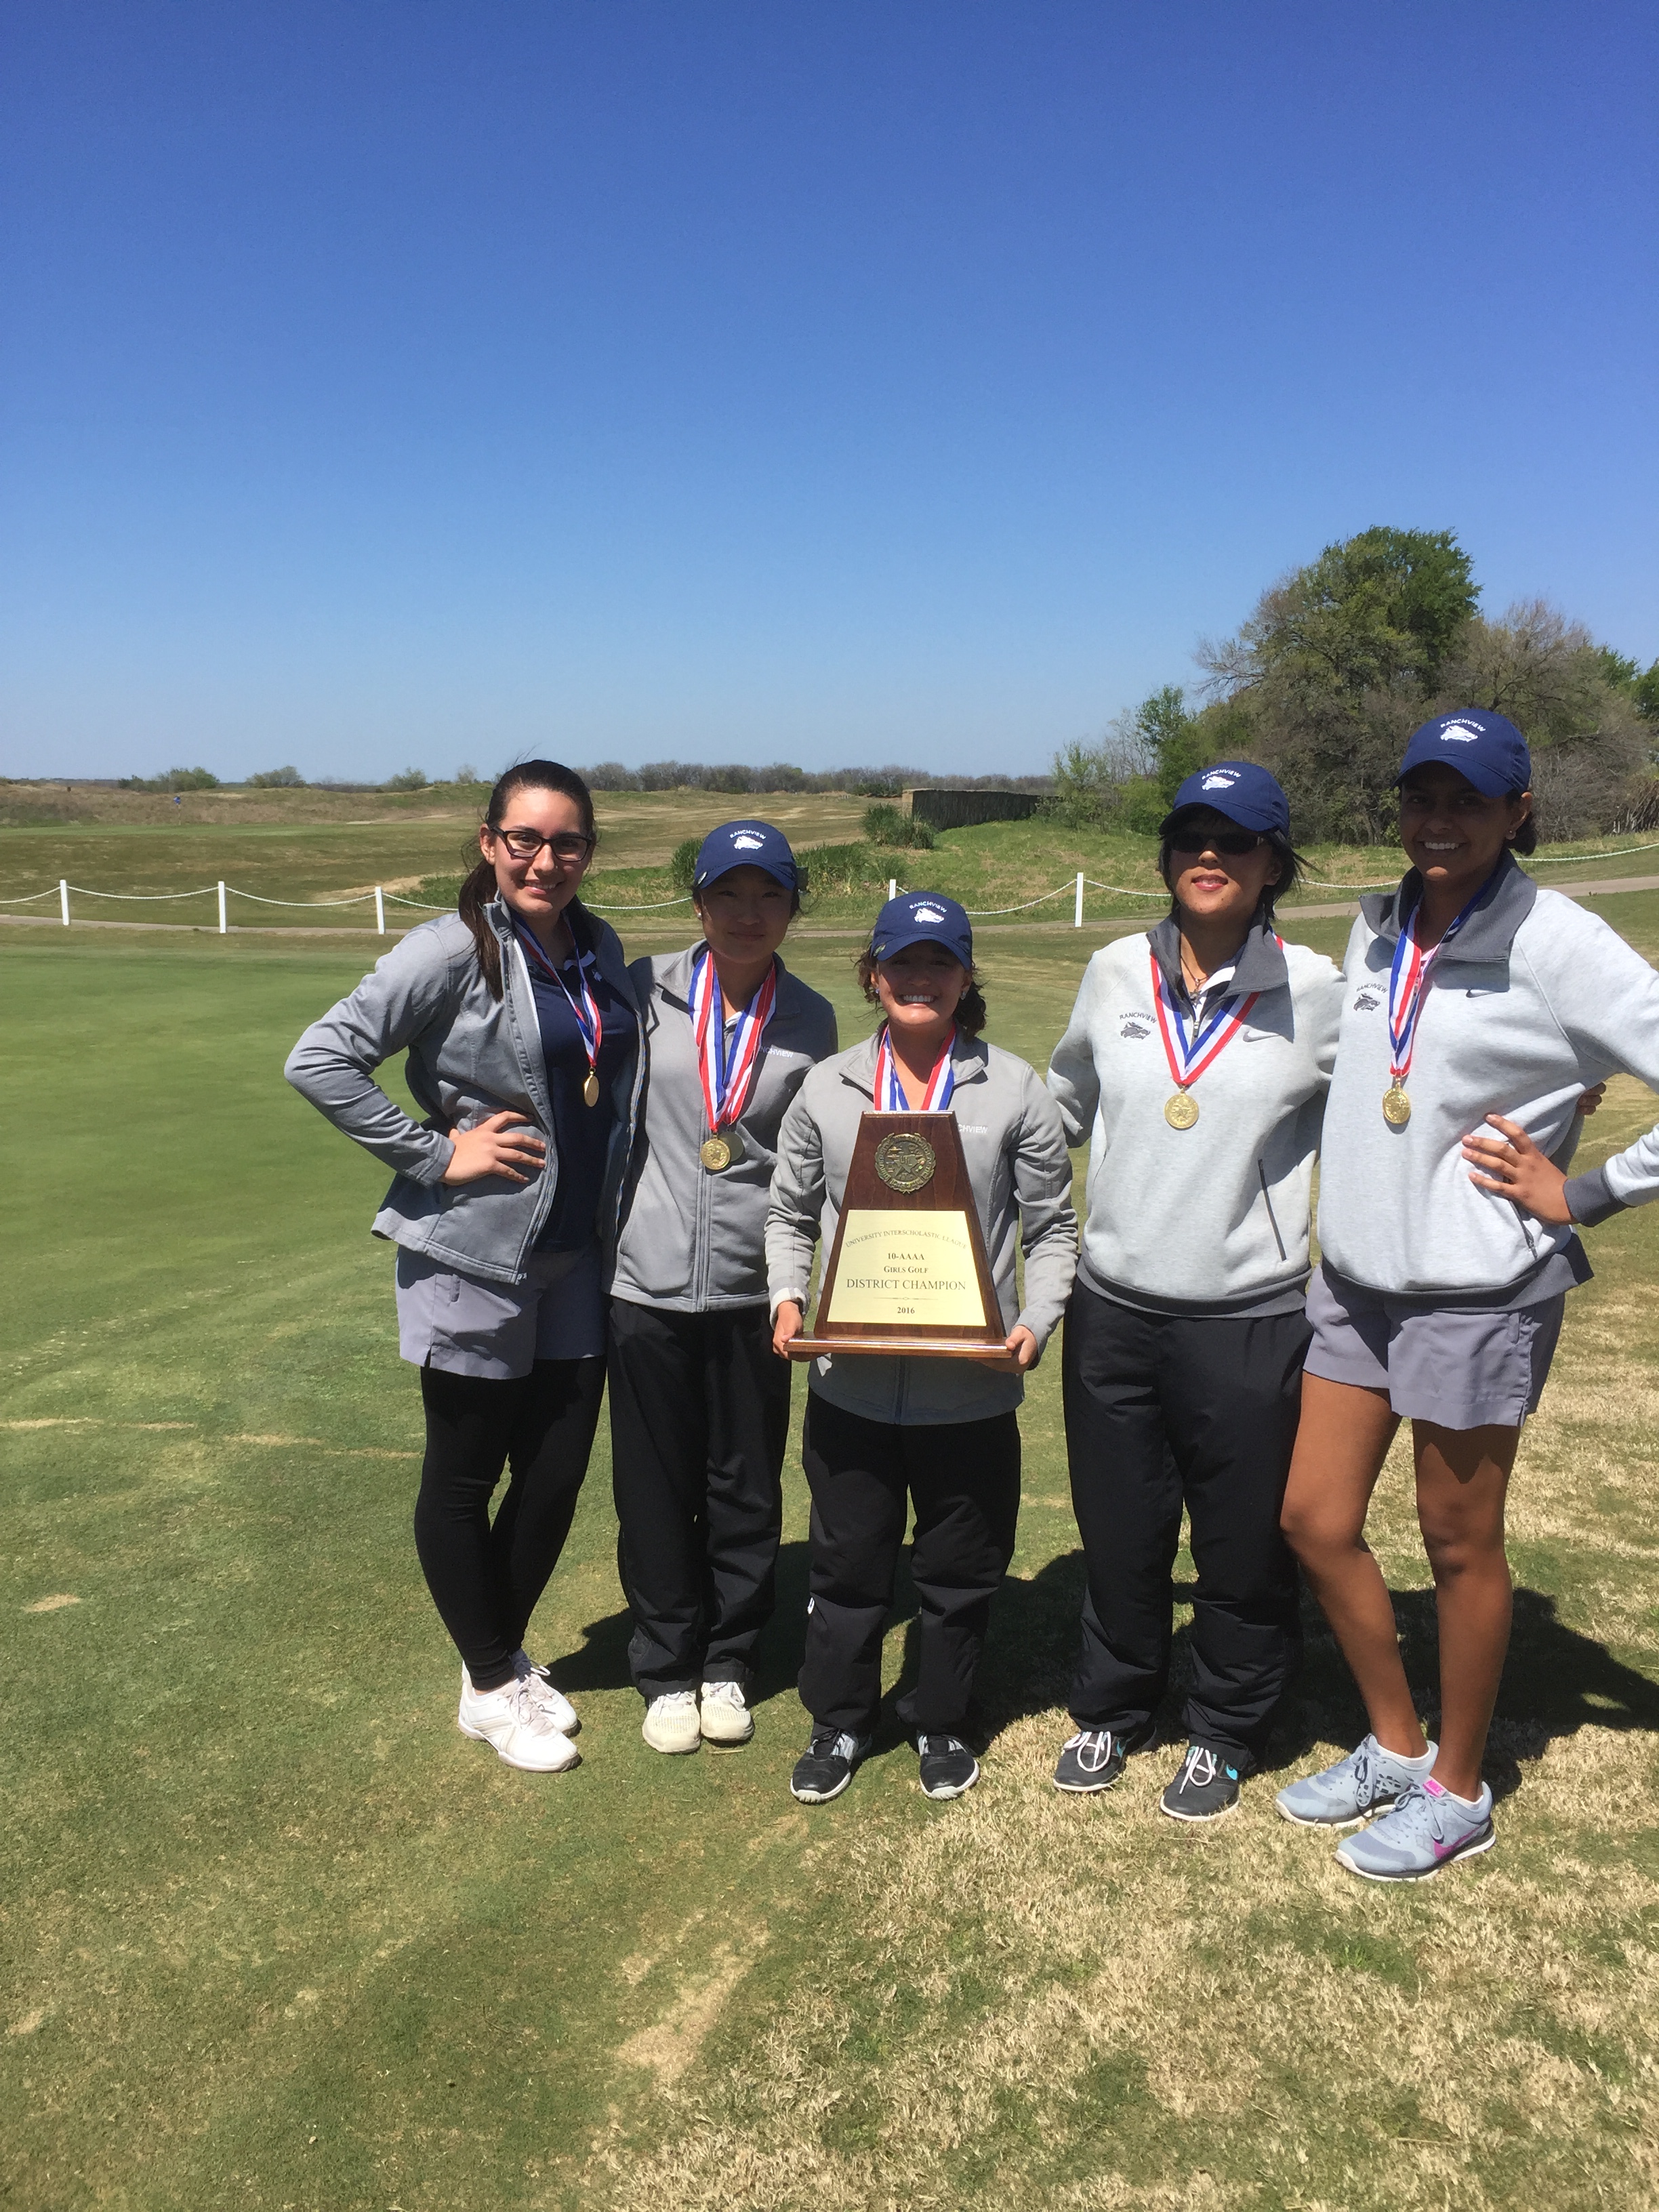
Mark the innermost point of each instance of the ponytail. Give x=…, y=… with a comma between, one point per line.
x=480, y=886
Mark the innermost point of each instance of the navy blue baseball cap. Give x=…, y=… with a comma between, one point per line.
x=1487, y=748
x=923, y=918
x=745, y=845
x=1242, y=792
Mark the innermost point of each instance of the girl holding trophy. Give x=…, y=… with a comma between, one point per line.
x=882, y=1433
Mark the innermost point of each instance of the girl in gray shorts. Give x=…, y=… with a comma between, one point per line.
x=1478, y=1008
x=522, y=1033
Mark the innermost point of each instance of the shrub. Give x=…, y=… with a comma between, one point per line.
x=412, y=779
x=890, y=825
x=683, y=862
x=829, y=871
x=277, y=779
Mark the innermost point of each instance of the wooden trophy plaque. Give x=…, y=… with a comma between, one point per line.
x=906, y=1276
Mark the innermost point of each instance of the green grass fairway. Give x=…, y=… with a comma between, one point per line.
x=316, y=847
x=275, y=1937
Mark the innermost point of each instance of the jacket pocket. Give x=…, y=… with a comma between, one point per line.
x=1267, y=1200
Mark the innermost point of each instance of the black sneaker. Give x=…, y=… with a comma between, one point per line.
x=825, y=1767
x=948, y=1767
x=1207, y=1787
x=1093, y=1759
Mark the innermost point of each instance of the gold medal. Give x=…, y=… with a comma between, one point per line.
x=1181, y=1111
x=1396, y=1106
x=715, y=1154
x=591, y=1089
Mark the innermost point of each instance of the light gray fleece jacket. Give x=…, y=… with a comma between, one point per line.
x=469, y=1055
x=1532, y=1000
x=1022, y=1178
x=1213, y=1220
x=691, y=1241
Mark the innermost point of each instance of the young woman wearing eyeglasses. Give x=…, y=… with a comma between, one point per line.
x=522, y=1033
x=1478, y=1007
x=1195, y=1067
x=699, y=1407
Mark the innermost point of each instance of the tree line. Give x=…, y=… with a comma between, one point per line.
x=1341, y=661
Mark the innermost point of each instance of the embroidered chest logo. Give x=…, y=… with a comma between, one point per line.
x=1366, y=1003
x=1135, y=1026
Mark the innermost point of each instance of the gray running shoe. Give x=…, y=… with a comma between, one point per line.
x=1427, y=1829
x=1367, y=1781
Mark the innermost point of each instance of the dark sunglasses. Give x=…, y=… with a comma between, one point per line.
x=525, y=844
x=1234, y=843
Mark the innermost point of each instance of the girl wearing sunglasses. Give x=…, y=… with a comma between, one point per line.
x=522, y=1035
x=1478, y=1007
x=1195, y=1066
x=699, y=1408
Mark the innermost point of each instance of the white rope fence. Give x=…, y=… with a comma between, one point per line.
x=381, y=897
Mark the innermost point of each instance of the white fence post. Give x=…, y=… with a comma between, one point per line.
x=1078, y=924
x=379, y=913
x=62, y=898
x=221, y=909
x=892, y=887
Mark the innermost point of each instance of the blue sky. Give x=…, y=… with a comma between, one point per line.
x=425, y=382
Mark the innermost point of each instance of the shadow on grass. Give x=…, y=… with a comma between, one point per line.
x=1555, y=1682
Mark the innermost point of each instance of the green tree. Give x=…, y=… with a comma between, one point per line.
x=1336, y=663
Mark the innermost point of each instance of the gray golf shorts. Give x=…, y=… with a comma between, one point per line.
x=467, y=1325
x=1464, y=1367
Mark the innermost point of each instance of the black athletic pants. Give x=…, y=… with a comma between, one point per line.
x=485, y=1575
x=1159, y=1410
x=699, y=1421
x=965, y=1479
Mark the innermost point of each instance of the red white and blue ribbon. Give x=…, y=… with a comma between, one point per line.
x=889, y=1091
x=589, y=1027
x=1408, y=984
x=728, y=1064
x=1189, y=1056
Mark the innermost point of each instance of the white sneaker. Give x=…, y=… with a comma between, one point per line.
x=671, y=1723
x=515, y=1721
x=552, y=1702
x=725, y=1717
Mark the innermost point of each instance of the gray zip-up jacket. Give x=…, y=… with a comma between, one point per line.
x=1022, y=1178
x=1533, y=999
x=469, y=1056
x=691, y=1241
x=1212, y=1219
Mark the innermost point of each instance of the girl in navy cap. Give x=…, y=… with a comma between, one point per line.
x=1195, y=1067
x=520, y=1024
x=881, y=1432
x=699, y=1408
x=1477, y=1009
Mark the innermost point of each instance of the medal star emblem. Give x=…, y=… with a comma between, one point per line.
x=905, y=1161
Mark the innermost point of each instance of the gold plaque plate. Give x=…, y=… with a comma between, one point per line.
x=905, y=1161
x=1181, y=1111
x=1396, y=1106
x=908, y=1270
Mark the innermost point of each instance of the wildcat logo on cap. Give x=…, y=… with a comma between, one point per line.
x=1220, y=779
x=1459, y=733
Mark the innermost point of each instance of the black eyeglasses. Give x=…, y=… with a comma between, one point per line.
x=1234, y=843
x=525, y=844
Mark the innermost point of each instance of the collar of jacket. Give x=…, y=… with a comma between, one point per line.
x=675, y=981
x=1489, y=931
x=1261, y=965
x=584, y=932
x=970, y=1062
